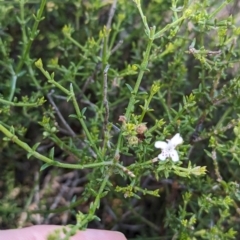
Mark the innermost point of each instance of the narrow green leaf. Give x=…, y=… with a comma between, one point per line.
x=35, y=146
x=83, y=110
x=29, y=155
x=44, y=166
x=73, y=116
x=51, y=153
x=129, y=87
x=74, y=199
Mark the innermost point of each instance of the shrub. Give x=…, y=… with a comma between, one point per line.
x=88, y=88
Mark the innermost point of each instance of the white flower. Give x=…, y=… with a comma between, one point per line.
x=168, y=148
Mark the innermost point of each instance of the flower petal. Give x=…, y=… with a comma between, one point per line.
x=163, y=156
x=160, y=144
x=176, y=140
x=174, y=155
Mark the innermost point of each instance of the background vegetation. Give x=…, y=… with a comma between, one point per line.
x=87, y=87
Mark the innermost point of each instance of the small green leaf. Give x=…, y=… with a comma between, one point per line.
x=51, y=153
x=193, y=43
x=129, y=87
x=73, y=116
x=69, y=98
x=35, y=146
x=102, y=195
x=74, y=199
x=70, y=142
x=12, y=130
x=83, y=110
x=29, y=155
x=44, y=166
x=21, y=73
x=96, y=218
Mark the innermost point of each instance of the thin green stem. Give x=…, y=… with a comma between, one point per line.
x=170, y=25
x=146, y=105
x=132, y=166
x=65, y=147
x=225, y=3
x=143, y=68
x=32, y=75
x=3, y=49
x=75, y=42
x=166, y=108
x=50, y=78
x=27, y=47
x=23, y=24
x=105, y=51
x=115, y=33
x=38, y=18
x=12, y=137
x=83, y=124
x=224, y=117
x=92, y=211
x=19, y=104
x=143, y=18
x=71, y=96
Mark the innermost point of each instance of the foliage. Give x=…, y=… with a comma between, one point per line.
x=88, y=87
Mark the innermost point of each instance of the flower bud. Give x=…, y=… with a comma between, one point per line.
x=122, y=119
x=133, y=140
x=141, y=128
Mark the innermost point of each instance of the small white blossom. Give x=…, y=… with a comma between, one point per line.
x=168, y=148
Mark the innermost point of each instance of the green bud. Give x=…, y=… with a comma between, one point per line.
x=236, y=131
x=45, y=134
x=53, y=129
x=155, y=87
x=199, y=171
x=67, y=30
x=39, y=63
x=133, y=140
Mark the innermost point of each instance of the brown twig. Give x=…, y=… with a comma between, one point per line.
x=116, y=47
x=111, y=14
x=215, y=163
x=64, y=122
x=106, y=106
